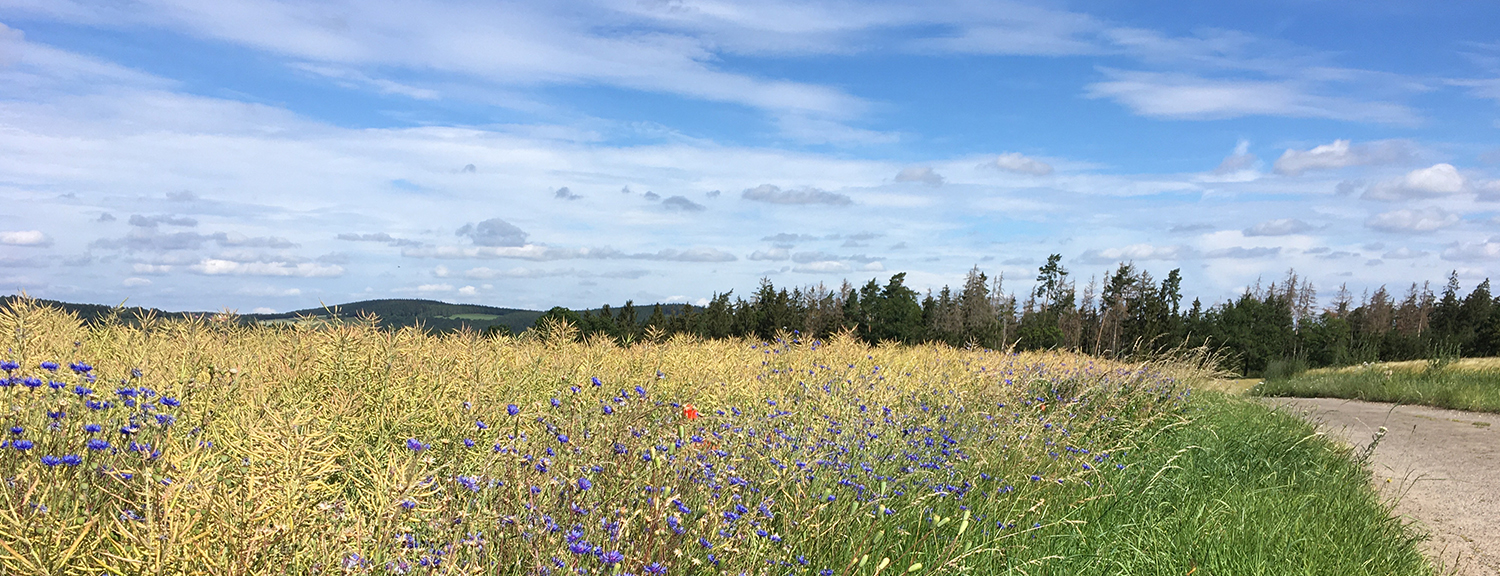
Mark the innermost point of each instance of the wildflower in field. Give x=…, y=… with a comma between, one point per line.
x=512, y=409
x=96, y=444
x=584, y=484
x=612, y=557
x=72, y=460
x=655, y=569
x=49, y=366
x=689, y=412
x=51, y=461
x=9, y=365
x=416, y=445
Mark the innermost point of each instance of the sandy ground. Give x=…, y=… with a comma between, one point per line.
x=1442, y=467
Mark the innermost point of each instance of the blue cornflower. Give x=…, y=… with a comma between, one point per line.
x=512, y=409
x=595, y=380
x=31, y=382
x=1035, y=478
x=80, y=367
x=58, y=415
x=49, y=366
x=556, y=403
x=641, y=391
x=655, y=568
x=468, y=442
x=681, y=507
x=22, y=445
x=72, y=460
x=584, y=484
x=9, y=365
x=17, y=430
x=612, y=557
x=825, y=572
x=408, y=504
x=481, y=425
x=646, y=456
x=55, y=385
x=92, y=428
x=165, y=419
x=50, y=460
x=705, y=543
x=608, y=410
x=81, y=391
x=169, y=401
x=416, y=445
x=563, y=438
x=580, y=547
x=135, y=372
x=96, y=444
x=127, y=392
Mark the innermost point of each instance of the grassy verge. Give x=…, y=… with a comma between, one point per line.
x=210, y=447
x=1470, y=384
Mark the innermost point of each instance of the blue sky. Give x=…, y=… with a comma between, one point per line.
x=266, y=155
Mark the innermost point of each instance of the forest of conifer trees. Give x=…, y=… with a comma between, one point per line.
x=1268, y=328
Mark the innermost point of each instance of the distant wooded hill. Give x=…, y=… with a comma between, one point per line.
x=392, y=313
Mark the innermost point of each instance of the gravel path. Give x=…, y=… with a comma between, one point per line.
x=1441, y=466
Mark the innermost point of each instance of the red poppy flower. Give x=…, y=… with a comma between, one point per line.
x=689, y=412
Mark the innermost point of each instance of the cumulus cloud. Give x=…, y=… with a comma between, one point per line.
x=167, y=219
x=563, y=193
x=775, y=195
x=788, y=238
x=1473, y=251
x=1279, y=227
x=243, y=241
x=493, y=232
x=543, y=253
x=923, y=174
x=822, y=267
x=1136, y=252
x=1240, y=161
x=814, y=256
x=651, y=196
x=1239, y=252
x=1342, y=154
x=1020, y=164
x=681, y=203
x=34, y=238
x=773, y=255
x=219, y=267
x=1404, y=253
x=135, y=282
x=1437, y=180
x=378, y=237
x=1489, y=191
x=1409, y=220
x=106, y=217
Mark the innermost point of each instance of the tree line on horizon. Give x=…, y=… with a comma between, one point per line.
x=1266, y=329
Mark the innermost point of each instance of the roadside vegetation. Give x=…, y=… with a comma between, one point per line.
x=208, y=446
x=1458, y=384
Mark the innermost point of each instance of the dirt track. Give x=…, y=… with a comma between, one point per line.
x=1441, y=466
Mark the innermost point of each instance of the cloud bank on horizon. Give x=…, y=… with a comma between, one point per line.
x=256, y=154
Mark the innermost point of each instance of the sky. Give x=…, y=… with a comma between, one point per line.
x=264, y=155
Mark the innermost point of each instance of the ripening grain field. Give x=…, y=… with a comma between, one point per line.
x=210, y=447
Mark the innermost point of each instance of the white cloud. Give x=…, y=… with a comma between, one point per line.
x=1176, y=95
x=262, y=310
x=156, y=269
x=1021, y=164
x=1409, y=220
x=1404, y=253
x=468, y=291
x=823, y=267
x=1473, y=251
x=1136, y=252
x=435, y=288
x=217, y=267
x=25, y=238
x=1437, y=180
x=773, y=255
x=135, y=282
x=771, y=194
x=1278, y=227
x=1240, y=161
x=873, y=267
x=1342, y=154
x=923, y=174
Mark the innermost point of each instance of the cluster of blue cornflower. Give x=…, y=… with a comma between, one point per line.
x=604, y=478
x=101, y=438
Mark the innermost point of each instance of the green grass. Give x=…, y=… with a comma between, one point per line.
x=1472, y=384
x=1238, y=489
